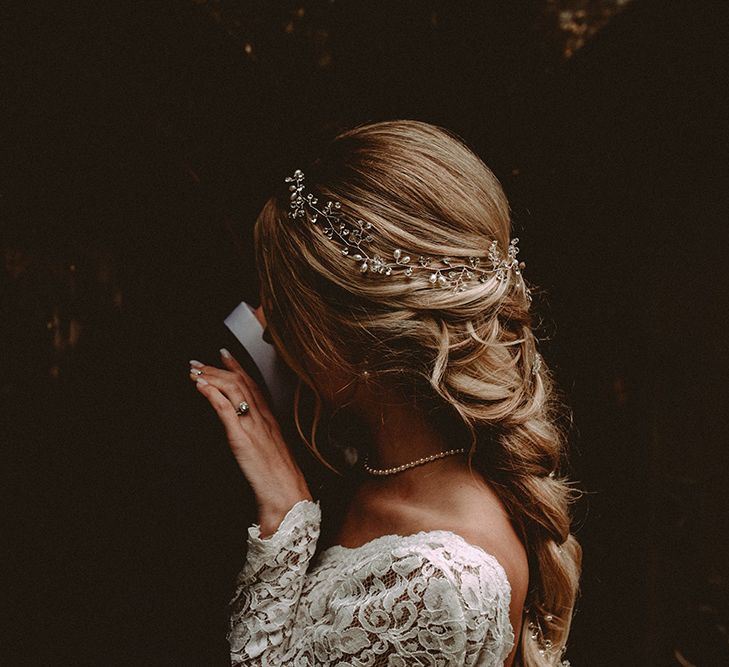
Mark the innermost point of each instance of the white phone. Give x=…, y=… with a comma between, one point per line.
x=279, y=378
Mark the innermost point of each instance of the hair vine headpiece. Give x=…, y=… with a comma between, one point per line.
x=458, y=272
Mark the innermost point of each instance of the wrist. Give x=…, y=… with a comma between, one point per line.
x=271, y=516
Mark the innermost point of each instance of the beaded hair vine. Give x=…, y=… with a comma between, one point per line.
x=455, y=272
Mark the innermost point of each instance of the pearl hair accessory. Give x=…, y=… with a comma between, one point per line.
x=537, y=363
x=458, y=272
x=545, y=645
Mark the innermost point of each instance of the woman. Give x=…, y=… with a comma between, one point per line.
x=391, y=288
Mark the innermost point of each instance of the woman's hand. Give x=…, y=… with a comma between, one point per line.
x=254, y=438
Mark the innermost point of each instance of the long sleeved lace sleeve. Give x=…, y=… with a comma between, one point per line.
x=268, y=587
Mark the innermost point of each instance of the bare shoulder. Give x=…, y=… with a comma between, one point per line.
x=477, y=514
x=472, y=510
x=460, y=504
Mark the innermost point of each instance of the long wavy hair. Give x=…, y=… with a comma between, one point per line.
x=466, y=356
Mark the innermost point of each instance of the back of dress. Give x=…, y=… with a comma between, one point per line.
x=430, y=598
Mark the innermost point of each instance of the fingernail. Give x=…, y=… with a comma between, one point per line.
x=225, y=353
x=201, y=381
x=196, y=363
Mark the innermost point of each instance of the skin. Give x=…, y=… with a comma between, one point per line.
x=442, y=495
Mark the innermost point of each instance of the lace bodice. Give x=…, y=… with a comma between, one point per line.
x=425, y=599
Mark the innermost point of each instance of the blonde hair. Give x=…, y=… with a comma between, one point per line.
x=466, y=355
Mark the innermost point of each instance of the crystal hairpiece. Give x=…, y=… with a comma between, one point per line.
x=455, y=272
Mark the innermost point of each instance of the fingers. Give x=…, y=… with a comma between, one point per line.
x=224, y=408
x=227, y=383
x=254, y=390
x=236, y=384
x=225, y=389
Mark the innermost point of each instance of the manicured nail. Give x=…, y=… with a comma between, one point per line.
x=201, y=381
x=196, y=363
x=225, y=353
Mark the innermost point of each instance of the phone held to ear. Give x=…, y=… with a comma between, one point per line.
x=280, y=380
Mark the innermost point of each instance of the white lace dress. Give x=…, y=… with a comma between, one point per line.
x=425, y=599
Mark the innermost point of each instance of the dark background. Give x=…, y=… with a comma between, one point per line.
x=139, y=142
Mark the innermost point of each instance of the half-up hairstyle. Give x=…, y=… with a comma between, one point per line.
x=469, y=358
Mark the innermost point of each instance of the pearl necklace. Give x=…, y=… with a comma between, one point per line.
x=412, y=464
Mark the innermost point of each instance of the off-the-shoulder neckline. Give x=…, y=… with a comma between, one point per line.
x=420, y=536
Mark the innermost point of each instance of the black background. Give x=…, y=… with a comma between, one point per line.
x=139, y=142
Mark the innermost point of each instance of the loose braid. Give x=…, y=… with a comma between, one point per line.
x=513, y=412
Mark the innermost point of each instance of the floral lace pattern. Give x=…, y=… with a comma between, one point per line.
x=425, y=599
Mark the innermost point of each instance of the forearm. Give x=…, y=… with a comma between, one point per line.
x=263, y=608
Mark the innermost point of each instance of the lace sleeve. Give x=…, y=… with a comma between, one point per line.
x=269, y=585
x=426, y=603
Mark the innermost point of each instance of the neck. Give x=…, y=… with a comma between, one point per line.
x=399, y=433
